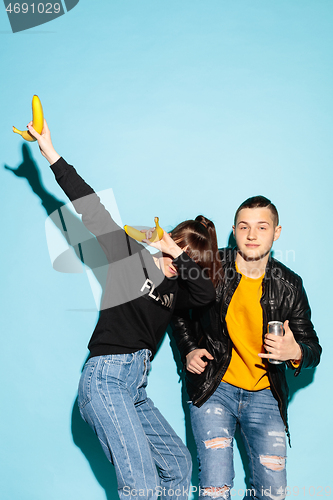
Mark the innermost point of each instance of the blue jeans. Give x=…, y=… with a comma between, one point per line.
x=148, y=456
x=263, y=434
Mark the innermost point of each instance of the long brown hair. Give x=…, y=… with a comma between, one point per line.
x=199, y=238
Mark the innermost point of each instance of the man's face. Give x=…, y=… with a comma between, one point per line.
x=255, y=232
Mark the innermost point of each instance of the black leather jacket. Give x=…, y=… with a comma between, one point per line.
x=283, y=297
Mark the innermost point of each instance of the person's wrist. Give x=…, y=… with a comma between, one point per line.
x=52, y=157
x=298, y=355
x=175, y=251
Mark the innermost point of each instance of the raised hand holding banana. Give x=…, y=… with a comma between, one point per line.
x=157, y=233
x=37, y=120
x=166, y=244
x=157, y=238
x=44, y=142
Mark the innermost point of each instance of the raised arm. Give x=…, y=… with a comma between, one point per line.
x=196, y=289
x=95, y=217
x=45, y=143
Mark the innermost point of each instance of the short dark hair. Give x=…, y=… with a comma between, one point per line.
x=259, y=202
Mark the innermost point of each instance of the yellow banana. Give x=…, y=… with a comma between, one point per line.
x=37, y=120
x=137, y=235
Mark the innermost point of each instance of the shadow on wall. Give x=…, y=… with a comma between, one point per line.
x=231, y=241
x=28, y=170
x=89, y=251
x=190, y=443
x=86, y=440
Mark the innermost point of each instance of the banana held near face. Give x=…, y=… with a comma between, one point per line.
x=137, y=235
x=37, y=120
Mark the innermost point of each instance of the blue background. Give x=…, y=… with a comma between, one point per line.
x=181, y=107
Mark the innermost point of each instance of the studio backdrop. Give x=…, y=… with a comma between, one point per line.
x=173, y=109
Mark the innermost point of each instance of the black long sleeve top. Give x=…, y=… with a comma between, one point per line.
x=139, y=299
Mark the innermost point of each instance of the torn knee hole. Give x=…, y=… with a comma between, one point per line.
x=215, y=492
x=218, y=443
x=273, y=462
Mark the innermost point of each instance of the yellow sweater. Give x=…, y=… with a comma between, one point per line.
x=245, y=322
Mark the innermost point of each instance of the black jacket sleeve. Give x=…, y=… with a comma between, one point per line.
x=185, y=332
x=301, y=325
x=195, y=287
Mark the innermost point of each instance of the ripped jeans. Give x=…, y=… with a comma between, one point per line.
x=148, y=456
x=263, y=434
